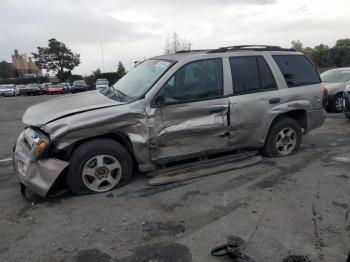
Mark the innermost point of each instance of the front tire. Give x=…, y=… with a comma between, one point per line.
x=99, y=166
x=284, y=138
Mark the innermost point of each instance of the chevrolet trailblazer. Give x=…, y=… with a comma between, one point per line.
x=168, y=108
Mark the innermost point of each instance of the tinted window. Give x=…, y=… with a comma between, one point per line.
x=251, y=74
x=267, y=81
x=195, y=81
x=297, y=70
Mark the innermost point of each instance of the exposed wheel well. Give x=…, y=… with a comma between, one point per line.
x=299, y=115
x=121, y=138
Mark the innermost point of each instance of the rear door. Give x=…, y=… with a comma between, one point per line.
x=255, y=93
x=195, y=112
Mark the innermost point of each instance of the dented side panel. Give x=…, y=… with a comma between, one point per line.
x=129, y=119
x=191, y=128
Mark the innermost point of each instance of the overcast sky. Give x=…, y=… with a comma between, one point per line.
x=136, y=29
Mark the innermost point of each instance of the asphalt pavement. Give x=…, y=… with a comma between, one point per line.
x=291, y=206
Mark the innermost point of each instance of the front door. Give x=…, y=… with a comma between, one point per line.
x=194, y=114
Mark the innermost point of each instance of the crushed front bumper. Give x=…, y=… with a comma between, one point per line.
x=37, y=175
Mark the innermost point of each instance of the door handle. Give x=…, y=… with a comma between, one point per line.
x=216, y=110
x=275, y=100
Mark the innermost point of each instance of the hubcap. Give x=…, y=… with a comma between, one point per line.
x=339, y=104
x=101, y=173
x=286, y=141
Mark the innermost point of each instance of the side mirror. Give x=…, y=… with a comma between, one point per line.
x=160, y=101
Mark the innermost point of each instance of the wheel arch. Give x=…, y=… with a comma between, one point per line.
x=300, y=115
x=120, y=137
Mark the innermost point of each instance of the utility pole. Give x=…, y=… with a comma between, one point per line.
x=103, y=60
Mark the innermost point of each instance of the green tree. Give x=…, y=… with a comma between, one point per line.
x=121, y=70
x=297, y=45
x=97, y=72
x=342, y=42
x=7, y=70
x=57, y=57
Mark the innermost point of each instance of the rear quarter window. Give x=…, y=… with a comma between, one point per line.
x=297, y=70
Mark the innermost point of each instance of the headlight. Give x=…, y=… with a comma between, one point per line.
x=35, y=143
x=347, y=88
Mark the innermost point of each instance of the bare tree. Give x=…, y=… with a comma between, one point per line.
x=176, y=44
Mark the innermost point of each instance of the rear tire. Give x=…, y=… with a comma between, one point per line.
x=284, y=138
x=99, y=166
x=337, y=104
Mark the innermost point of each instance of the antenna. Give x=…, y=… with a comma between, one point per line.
x=103, y=60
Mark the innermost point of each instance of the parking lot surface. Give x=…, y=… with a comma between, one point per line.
x=297, y=205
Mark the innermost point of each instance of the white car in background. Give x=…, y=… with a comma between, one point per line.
x=102, y=85
x=9, y=90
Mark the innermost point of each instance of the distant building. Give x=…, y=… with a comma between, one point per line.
x=25, y=66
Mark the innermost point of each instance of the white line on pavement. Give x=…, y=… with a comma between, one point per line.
x=5, y=160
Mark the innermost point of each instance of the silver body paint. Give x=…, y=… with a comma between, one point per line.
x=172, y=132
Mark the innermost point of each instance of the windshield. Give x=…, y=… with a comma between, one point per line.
x=336, y=76
x=79, y=82
x=101, y=82
x=138, y=81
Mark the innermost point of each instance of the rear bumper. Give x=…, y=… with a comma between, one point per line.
x=55, y=92
x=315, y=119
x=37, y=175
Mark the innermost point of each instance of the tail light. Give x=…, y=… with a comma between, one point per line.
x=325, y=97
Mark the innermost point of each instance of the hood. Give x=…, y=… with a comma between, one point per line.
x=6, y=89
x=53, y=109
x=336, y=87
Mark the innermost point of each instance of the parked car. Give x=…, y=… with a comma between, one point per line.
x=346, y=101
x=32, y=89
x=335, y=81
x=234, y=97
x=66, y=86
x=19, y=88
x=56, y=89
x=45, y=86
x=102, y=85
x=8, y=90
x=79, y=86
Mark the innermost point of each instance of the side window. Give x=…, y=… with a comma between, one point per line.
x=195, y=81
x=267, y=81
x=251, y=74
x=297, y=70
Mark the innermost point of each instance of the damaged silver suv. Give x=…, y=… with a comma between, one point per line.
x=169, y=108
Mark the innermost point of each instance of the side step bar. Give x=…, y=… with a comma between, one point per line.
x=203, y=168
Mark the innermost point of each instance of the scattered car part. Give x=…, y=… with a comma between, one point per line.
x=233, y=249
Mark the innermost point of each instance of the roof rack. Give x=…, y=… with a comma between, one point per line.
x=251, y=48
x=189, y=51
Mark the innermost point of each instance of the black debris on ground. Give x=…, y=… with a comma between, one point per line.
x=296, y=258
